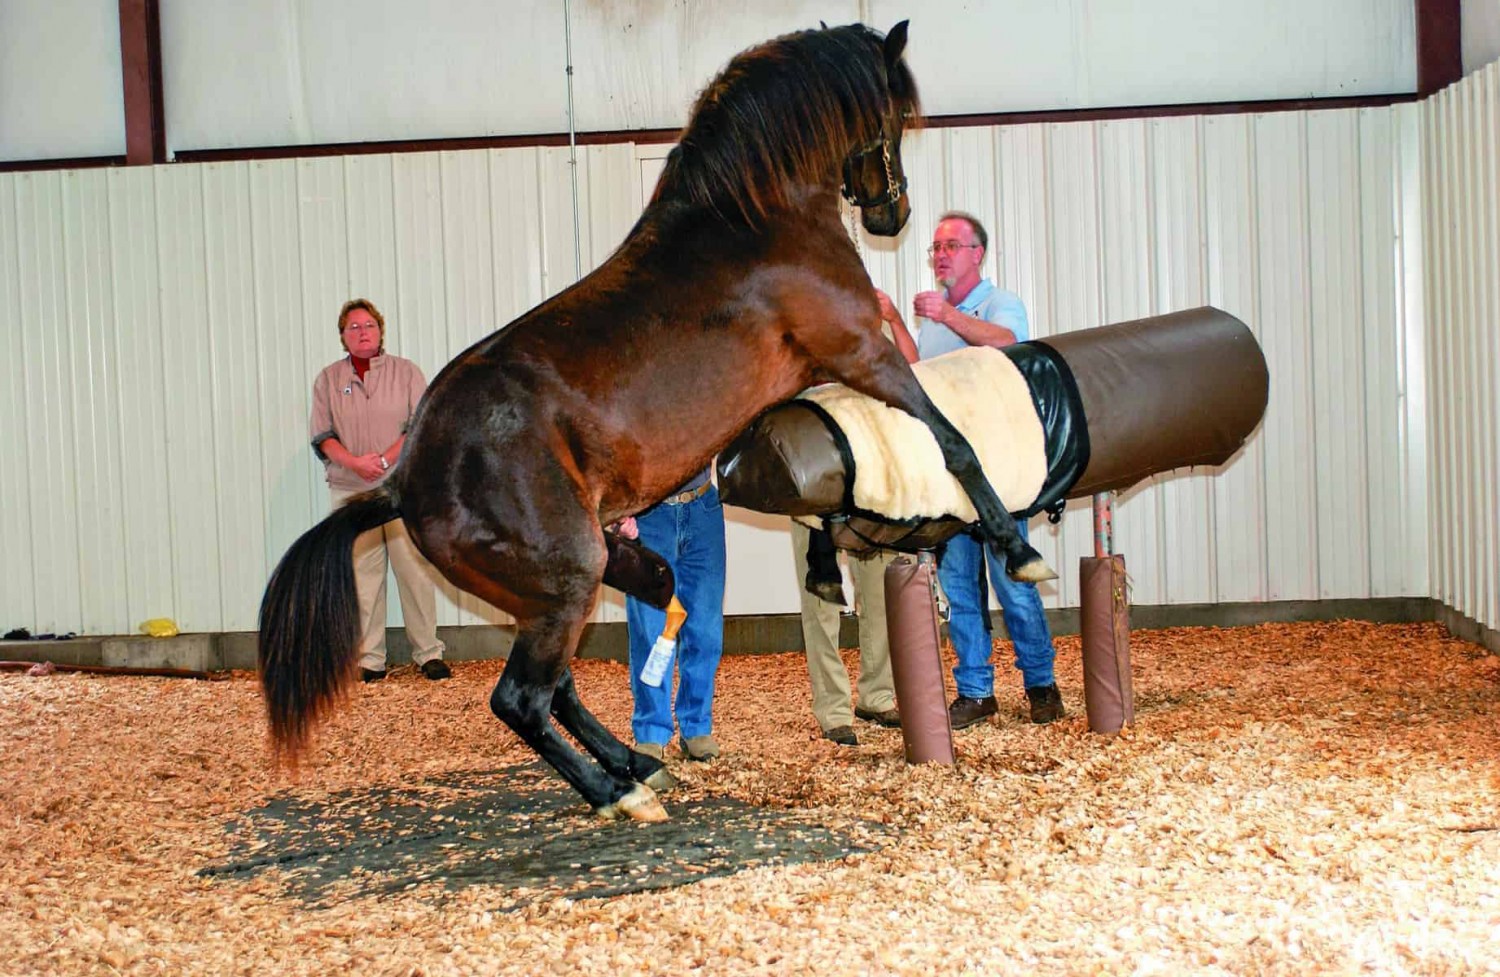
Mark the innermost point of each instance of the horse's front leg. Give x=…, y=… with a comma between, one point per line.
x=619, y=759
x=878, y=370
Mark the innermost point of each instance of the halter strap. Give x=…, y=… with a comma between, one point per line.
x=894, y=189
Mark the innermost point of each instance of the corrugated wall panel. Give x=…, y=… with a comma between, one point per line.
x=95, y=445
x=18, y=584
x=52, y=392
x=231, y=328
x=1282, y=203
x=1488, y=180
x=1484, y=181
x=195, y=303
x=141, y=403
x=288, y=496
x=1335, y=329
x=1465, y=329
x=1233, y=263
x=1412, y=551
x=1438, y=296
x=1461, y=224
x=192, y=398
x=1378, y=341
x=1180, y=282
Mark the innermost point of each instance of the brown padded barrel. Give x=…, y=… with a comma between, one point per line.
x=1165, y=392
x=786, y=461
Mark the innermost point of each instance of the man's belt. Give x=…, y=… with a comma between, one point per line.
x=689, y=495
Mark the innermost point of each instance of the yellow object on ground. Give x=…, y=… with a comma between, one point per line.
x=160, y=627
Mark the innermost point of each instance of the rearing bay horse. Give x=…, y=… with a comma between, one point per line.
x=736, y=289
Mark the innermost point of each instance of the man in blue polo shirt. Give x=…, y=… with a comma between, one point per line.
x=970, y=311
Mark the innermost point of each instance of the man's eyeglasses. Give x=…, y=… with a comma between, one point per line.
x=947, y=247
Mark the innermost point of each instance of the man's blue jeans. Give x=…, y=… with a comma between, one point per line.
x=961, y=574
x=690, y=537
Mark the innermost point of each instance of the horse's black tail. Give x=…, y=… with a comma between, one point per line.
x=309, y=621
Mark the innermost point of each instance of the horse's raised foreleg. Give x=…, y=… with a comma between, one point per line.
x=523, y=699
x=619, y=759
x=884, y=375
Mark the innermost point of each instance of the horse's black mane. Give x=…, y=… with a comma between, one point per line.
x=781, y=114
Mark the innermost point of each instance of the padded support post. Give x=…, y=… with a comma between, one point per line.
x=1108, y=695
x=916, y=658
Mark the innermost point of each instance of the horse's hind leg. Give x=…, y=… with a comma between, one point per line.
x=522, y=700
x=619, y=759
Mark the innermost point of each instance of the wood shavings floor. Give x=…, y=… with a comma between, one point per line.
x=1304, y=798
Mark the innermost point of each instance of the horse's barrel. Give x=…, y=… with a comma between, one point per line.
x=1165, y=392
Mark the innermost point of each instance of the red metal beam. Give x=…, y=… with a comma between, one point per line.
x=140, y=61
x=1440, y=53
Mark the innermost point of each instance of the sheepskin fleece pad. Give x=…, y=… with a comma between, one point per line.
x=898, y=467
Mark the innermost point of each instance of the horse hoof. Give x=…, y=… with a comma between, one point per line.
x=638, y=805
x=827, y=590
x=661, y=781
x=1034, y=570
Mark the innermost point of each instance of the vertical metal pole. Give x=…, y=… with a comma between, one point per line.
x=572, y=139
x=1104, y=524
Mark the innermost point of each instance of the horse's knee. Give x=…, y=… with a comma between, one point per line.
x=518, y=708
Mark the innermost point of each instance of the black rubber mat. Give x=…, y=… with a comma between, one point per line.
x=520, y=829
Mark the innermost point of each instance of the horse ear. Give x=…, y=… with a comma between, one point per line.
x=895, y=43
x=823, y=24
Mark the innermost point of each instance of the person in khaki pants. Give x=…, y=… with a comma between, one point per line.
x=361, y=406
x=820, y=638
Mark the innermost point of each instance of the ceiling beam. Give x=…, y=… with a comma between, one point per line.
x=1440, y=52
x=140, y=61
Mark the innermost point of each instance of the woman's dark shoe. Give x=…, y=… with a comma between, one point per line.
x=1046, y=704
x=371, y=675
x=965, y=712
x=436, y=668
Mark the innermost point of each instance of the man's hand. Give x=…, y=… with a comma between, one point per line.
x=627, y=528
x=932, y=305
x=888, y=311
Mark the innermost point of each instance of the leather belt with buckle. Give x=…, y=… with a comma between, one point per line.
x=689, y=495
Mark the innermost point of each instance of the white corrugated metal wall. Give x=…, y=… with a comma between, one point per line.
x=164, y=326
x=1462, y=263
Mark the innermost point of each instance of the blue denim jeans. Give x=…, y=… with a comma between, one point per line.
x=690, y=537
x=961, y=572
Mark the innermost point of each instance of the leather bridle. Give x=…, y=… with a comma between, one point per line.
x=894, y=189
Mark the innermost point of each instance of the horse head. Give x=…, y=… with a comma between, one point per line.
x=873, y=178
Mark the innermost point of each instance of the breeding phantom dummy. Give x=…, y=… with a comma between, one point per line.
x=1077, y=413
x=740, y=283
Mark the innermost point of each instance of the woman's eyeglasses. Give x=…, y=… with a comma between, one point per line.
x=947, y=247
